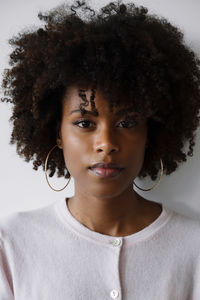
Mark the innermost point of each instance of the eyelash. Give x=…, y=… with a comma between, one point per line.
x=85, y=120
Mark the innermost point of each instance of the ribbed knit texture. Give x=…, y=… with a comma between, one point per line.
x=46, y=254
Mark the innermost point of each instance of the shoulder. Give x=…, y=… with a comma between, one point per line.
x=20, y=225
x=185, y=223
x=184, y=231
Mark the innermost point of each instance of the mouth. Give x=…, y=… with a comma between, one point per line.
x=104, y=165
x=106, y=172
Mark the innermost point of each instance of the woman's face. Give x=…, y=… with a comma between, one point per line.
x=108, y=137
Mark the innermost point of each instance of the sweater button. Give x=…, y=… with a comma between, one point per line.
x=114, y=294
x=117, y=242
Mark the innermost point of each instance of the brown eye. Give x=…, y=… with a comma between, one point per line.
x=130, y=123
x=82, y=122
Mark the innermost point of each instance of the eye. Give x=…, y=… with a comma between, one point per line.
x=132, y=123
x=82, y=121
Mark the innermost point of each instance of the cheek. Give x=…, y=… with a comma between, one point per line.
x=74, y=150
x=135, y=152
x=137, y=143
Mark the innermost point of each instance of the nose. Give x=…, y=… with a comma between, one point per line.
x=106, y=142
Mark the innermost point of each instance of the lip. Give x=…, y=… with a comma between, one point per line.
x=106, y=172
x=104, y=165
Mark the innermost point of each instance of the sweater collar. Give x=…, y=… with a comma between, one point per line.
x=84, y=232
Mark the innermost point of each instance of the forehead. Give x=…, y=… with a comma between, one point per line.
x=72, y=100
x=72, y=96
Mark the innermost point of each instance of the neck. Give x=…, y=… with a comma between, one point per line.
x=119, y=215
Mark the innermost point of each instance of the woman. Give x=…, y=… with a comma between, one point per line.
x=103, y=98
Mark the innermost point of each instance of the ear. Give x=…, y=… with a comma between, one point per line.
x=58, y=139
x=59, y=143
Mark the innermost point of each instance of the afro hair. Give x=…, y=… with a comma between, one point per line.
x=131, y=56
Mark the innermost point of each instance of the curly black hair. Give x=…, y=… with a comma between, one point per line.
x=131, y=56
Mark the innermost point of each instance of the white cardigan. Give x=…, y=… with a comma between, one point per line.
x=46, y=254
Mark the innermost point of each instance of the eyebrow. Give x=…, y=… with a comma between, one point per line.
x=85, y=112
x=118, y=113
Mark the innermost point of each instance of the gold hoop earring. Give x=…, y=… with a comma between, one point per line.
x=161, y=174
x=46, y=171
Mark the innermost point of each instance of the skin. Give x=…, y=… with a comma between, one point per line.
x=106, y=205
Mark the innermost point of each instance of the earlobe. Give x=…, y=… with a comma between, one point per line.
x=58, y=135
x=59, y=143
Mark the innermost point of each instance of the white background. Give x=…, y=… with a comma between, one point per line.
x=23, y=188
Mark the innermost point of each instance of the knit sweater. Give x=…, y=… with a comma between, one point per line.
x=47, y=254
